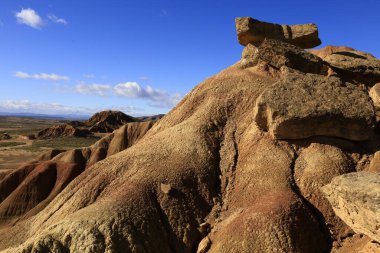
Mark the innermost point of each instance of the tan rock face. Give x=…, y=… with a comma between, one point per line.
x=253, y=31
x=355, y=199
x=315, y=167
x=374, y=93
x=351, y=64
x=305, y=105
x=277, y=54
x=375, y=163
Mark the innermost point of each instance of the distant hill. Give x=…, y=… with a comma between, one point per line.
x=101, y=122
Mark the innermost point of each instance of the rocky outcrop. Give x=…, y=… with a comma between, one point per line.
x=151, y=118
x=375, y=163
x=278, y=54
x=101, y=122
x=108, y=121
x=304, y=105
x=236, y=166
x=63, y=130
x=253, y=31
x=315, y=167
x=355, y=198
x=352, y=65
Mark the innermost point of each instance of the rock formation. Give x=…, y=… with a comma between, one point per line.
x=101, y=122
x=27, y=190
x=355, y=198
x=253, y=31
x=62, y=130
x=108, y=121
x=352, y=65
x=236, y=166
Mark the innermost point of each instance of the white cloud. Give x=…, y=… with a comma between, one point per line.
x=93, y=89
x=57, y=20
x=30, y=18
x=42, y=76
x=157, y=97
x=26, y=106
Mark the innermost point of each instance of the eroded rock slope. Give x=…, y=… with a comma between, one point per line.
x=236, y=166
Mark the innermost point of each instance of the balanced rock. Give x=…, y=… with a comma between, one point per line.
x=304, y=105
x=355, y=198
x=253, y=31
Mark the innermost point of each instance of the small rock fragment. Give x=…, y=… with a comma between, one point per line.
x=204, y=245
x=166, y=188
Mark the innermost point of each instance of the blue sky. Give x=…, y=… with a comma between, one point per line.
x=65, y=57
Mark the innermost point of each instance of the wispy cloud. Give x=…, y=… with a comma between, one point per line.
x=157, y=97
x=1, y=23
x=57, y=20
x=131, y=90
x=42, y=76
x=26, y=106
x=93, y=89
x=30, y=18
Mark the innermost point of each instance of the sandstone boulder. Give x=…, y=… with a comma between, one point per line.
x=352, y=64
x=375, y=163
x=305, y=105
x=315, y=167
x=374, y=93
x=355, y=198
x=253, y=31
x=277, y=54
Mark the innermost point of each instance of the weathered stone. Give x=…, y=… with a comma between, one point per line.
x=375, y=163
x=374, y=93
x=355, y=198
x=204, y=245
x=253, y=31
x=305, y=105
x=351, y=64
x=277, y=54
x=204, y=228
x=166, y=188
x=314, y=168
